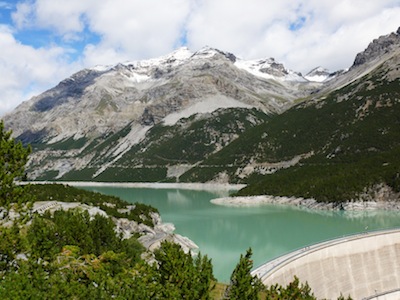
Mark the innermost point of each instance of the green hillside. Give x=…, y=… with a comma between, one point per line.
x=353, y=135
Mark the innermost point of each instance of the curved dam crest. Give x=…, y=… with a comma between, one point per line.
x=362, y=266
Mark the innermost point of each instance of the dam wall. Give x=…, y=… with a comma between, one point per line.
x=362, y=266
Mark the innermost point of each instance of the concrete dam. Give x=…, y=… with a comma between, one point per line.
x=364, y=266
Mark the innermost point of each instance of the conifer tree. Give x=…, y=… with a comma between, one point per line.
x=13, y=157
x=243, y=286
x=181, y=276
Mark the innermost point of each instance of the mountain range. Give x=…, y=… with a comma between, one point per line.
x=210, y=116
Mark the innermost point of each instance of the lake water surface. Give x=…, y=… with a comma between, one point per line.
x=223, y=233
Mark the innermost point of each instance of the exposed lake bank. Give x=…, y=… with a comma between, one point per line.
x=247, y=201
x=153, y=185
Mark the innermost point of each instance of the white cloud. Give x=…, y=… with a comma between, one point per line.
x=103, y=55
x=333, y=31
x=135, y=27
x=22, y=15
x=235, y=27
x=301, y=34
x=336, y=47
x=65, y=17
x=141, y=29
x=330, y=33
x=25, y=71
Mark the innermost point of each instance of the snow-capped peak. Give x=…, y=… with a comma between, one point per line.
x=174, y=58
x=269, y=69
x=101, y=68
x=182, y=53
x=266, y=68
x=207, y=52
x=318, y=74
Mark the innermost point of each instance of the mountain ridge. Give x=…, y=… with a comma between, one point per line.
x=133, y=77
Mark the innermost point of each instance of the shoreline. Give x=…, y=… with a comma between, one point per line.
x=251, y=201
x=153, y=185
x=242, y=201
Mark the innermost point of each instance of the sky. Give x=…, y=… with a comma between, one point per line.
x=45, y=41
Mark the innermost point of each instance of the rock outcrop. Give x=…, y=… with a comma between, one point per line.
x=378, y=47
x=150, y=237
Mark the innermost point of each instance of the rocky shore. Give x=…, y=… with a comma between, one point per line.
x=150, y=237
x=307, y=203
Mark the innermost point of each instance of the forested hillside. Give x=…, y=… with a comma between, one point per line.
x=351, y=138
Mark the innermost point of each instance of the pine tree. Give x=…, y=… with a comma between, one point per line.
x=243, y=286
x=181, y=276
x=13, y=157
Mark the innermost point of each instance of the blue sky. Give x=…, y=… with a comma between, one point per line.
x=45, y=41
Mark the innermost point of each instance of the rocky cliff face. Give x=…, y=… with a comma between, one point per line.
x=378, y=52
x=378, y=47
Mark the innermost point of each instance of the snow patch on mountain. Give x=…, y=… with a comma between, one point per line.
x=173, y=59
x=316, y=78
x=147, y=70
x=268, y=69
x=207, y=105
x=101, y=68
x=318, y=74
x=139, y=71
x=203, y=53
x=254, y=67
x=137, y=78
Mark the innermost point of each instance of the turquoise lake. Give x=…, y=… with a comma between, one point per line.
x=223, y=233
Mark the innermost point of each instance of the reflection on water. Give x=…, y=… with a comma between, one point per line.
x=223, y=233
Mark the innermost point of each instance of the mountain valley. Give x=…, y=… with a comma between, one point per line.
x=209, y=116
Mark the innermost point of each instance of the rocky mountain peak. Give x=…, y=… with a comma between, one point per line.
x=270, y=69
x=174, y=58
x=378, y=47
x=318, y=74
x=207, y=52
